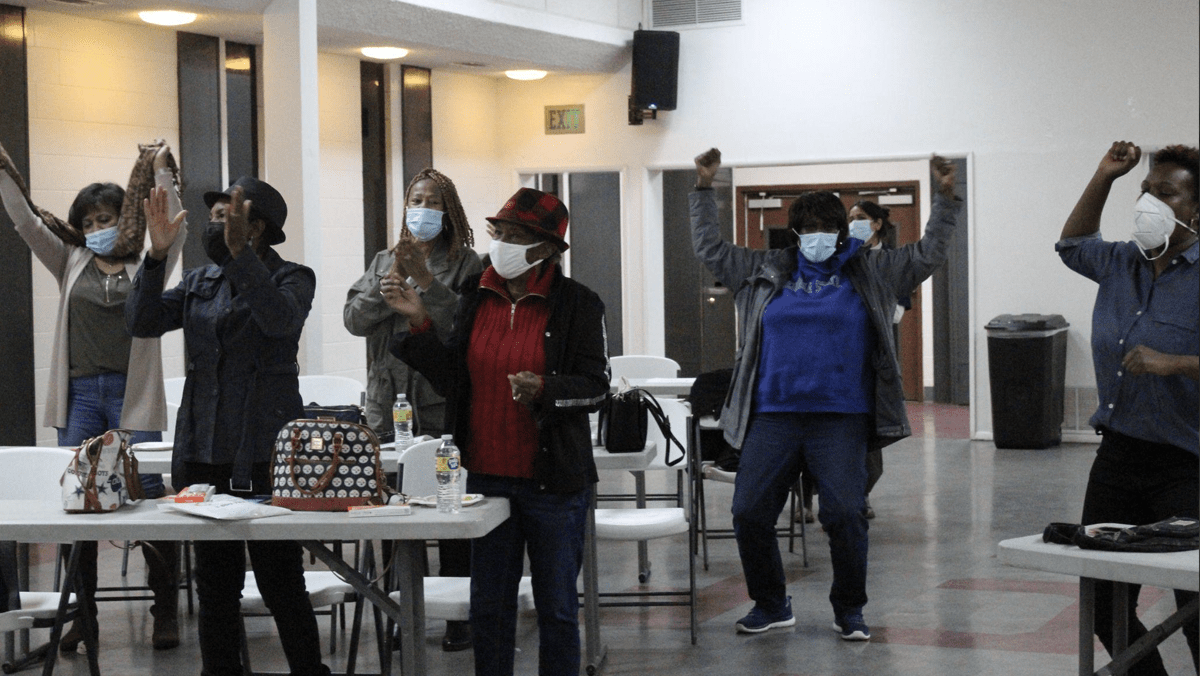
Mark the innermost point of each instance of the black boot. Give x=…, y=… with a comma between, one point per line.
x=162, y=563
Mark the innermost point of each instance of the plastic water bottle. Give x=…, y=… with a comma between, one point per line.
x=449, y=491
x=402, y=416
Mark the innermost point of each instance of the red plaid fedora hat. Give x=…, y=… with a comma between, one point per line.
x=541, y=212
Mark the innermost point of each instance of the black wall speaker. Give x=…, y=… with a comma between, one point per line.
x=655, y=70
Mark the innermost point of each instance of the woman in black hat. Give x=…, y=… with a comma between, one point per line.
x=241, y=318
x=525, y=364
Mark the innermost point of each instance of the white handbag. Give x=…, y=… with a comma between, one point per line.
x=102, y=476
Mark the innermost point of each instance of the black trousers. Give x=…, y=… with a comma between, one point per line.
x=1139, y=482
x=279, y=572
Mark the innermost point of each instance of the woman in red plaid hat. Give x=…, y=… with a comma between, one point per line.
x=525, y=363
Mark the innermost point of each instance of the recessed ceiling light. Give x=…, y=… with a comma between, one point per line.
x=384, y=53
x=167, y=17
x=525, y=74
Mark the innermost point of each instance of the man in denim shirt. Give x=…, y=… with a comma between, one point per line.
x=1145, y=350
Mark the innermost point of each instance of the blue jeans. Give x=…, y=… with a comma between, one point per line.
x=550, y=528
x=94, y=407
x=831, y=447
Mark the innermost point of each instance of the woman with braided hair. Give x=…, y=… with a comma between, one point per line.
x=101, y=378
x=434, y=252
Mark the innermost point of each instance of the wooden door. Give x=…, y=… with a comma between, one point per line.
x=761, y=223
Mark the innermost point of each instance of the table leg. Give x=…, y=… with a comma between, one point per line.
x=639, y=482
x=409, y=614
x=593, y=646
x=1087, y=618
x=1120, y=612
x=70, y=584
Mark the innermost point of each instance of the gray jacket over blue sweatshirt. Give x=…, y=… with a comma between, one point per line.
x=879, y=276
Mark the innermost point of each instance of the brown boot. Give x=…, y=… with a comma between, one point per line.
x=162, y=563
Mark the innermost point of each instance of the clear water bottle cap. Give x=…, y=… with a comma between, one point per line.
x=402, y=397
x=447, y=437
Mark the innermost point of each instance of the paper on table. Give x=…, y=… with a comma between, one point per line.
x=225, y=508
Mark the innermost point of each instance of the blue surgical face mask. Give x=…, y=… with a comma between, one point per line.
x=102, y=241
x=424, y=224
x=818, y=246
x=861, y=229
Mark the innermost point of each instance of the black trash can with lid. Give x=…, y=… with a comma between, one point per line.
x=1027, y=363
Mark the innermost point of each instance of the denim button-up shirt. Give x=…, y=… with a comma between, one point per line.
x=1133, y=308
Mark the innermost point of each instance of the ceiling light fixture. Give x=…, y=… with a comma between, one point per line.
x=384, y=53
x=167, y=17
x=525, y=74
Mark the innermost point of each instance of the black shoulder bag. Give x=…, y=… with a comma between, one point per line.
x=623, y=423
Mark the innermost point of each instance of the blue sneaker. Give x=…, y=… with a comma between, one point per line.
x=759, y=620
x=851, y=627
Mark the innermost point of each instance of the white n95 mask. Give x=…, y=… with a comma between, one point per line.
x=1153, y=223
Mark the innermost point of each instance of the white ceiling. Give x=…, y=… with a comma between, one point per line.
x=497, y=35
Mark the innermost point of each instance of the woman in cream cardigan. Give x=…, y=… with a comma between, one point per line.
x=100, y=377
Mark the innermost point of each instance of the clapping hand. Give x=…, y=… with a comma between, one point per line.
x=410, y=261
x=526, y=387
x=163, y=230
x=403, y=298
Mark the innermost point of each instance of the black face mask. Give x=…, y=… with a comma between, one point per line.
x=213, y=239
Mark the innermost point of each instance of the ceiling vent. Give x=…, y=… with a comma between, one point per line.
x=683, y=13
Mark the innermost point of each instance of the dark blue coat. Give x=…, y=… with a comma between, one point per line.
x=241, y=325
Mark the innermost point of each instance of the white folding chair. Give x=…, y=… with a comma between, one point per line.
x=35, y=473
x=708, y=471
x=641, y=525
x=331, y=390
x=446, y=598
x=325, y=590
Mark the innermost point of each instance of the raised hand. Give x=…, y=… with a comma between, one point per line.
x=163, y=230
x=944, y=175
x=707, y=164
x=1120, y=159
x=237, y=222
x=160, y=157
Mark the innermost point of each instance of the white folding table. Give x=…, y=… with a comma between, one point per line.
x=1175, y=570
x=41, y=522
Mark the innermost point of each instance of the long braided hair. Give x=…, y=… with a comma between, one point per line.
x=455, y=228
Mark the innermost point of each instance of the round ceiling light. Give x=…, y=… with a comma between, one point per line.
x=168, y=17
x=384, y=53
x=525, y=74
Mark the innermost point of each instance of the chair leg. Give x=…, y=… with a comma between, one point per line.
x=247, y=670
x=187, y=571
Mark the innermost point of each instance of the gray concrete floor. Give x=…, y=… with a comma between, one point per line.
x=941, y=602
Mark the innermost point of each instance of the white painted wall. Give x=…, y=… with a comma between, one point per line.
x=1034, y=91
x=341, y=175
x=97, y=89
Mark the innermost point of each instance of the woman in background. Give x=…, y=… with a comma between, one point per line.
x=100, y=377
x=434, y=254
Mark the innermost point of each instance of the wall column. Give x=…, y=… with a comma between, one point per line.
x=291, y=146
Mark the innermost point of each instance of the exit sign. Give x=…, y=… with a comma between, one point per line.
x=564, y=119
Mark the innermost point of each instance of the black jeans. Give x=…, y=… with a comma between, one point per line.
x=1139, y=482
x=279, y=572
